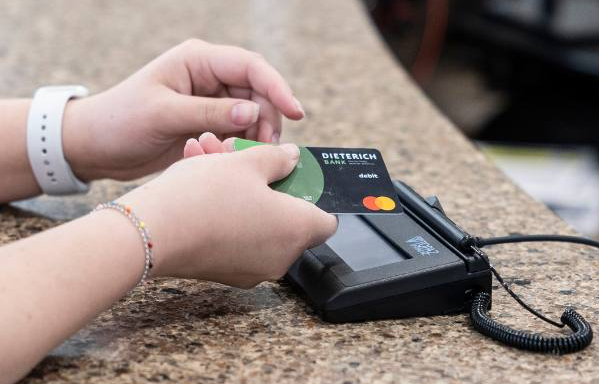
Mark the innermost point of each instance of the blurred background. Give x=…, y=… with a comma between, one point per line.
x=521, y=78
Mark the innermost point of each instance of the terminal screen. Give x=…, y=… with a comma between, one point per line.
x=360, y=246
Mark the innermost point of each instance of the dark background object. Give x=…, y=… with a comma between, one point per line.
x=536, y=62
x=522, y=73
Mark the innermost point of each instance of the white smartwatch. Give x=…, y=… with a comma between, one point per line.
x=44, y=140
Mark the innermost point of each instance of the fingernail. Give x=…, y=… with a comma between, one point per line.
x=206, y=134
x=299, y=107
x=291, y=149
x=244, y=114
x=187, y=149
x=229, y=144
x=276, y=138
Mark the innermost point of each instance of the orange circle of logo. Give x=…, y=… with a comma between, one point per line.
x=369, y=202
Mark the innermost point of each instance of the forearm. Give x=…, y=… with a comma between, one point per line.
x=53, y=283
x=19, y=182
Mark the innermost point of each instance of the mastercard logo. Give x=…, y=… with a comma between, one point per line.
x=379, y=203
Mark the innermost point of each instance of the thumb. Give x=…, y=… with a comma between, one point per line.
x=324, y=226
x=315, y=224
x=192, y=114
x=273, y=162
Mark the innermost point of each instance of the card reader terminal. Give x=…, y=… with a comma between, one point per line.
x=413, y=263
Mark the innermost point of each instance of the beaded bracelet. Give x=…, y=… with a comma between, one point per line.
x=141, y=227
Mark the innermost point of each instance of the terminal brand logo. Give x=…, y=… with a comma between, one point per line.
x=422, y=246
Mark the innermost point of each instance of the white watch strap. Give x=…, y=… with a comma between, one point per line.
x=44, y=140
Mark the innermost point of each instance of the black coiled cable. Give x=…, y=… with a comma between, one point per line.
x=581, y=338
x=582, y=333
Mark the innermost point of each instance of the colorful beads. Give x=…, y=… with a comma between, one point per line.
x=141, y=226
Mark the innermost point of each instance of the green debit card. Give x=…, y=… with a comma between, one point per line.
x=338, y=180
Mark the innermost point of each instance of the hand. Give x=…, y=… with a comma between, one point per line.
x=214, y=217
x=141, y=125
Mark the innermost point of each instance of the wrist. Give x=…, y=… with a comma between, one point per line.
x=148, y=211
x=175, y=242
x=77, y=140
x=124, y=250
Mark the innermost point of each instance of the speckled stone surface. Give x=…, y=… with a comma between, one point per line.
x=355, y=94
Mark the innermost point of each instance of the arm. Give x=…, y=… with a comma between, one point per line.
x=140, y=125
x=50, y=283
x=55, y=282
x=19, y=182
x=49, y=288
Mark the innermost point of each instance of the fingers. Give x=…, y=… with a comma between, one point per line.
x=192, y=114
x=269, y=125
x=252, y=133
x=272, y=162
x=207, y=144
x=211, y=65
x=192, y=148
x=210, y=143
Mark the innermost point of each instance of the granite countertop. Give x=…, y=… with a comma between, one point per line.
x=355, y=94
